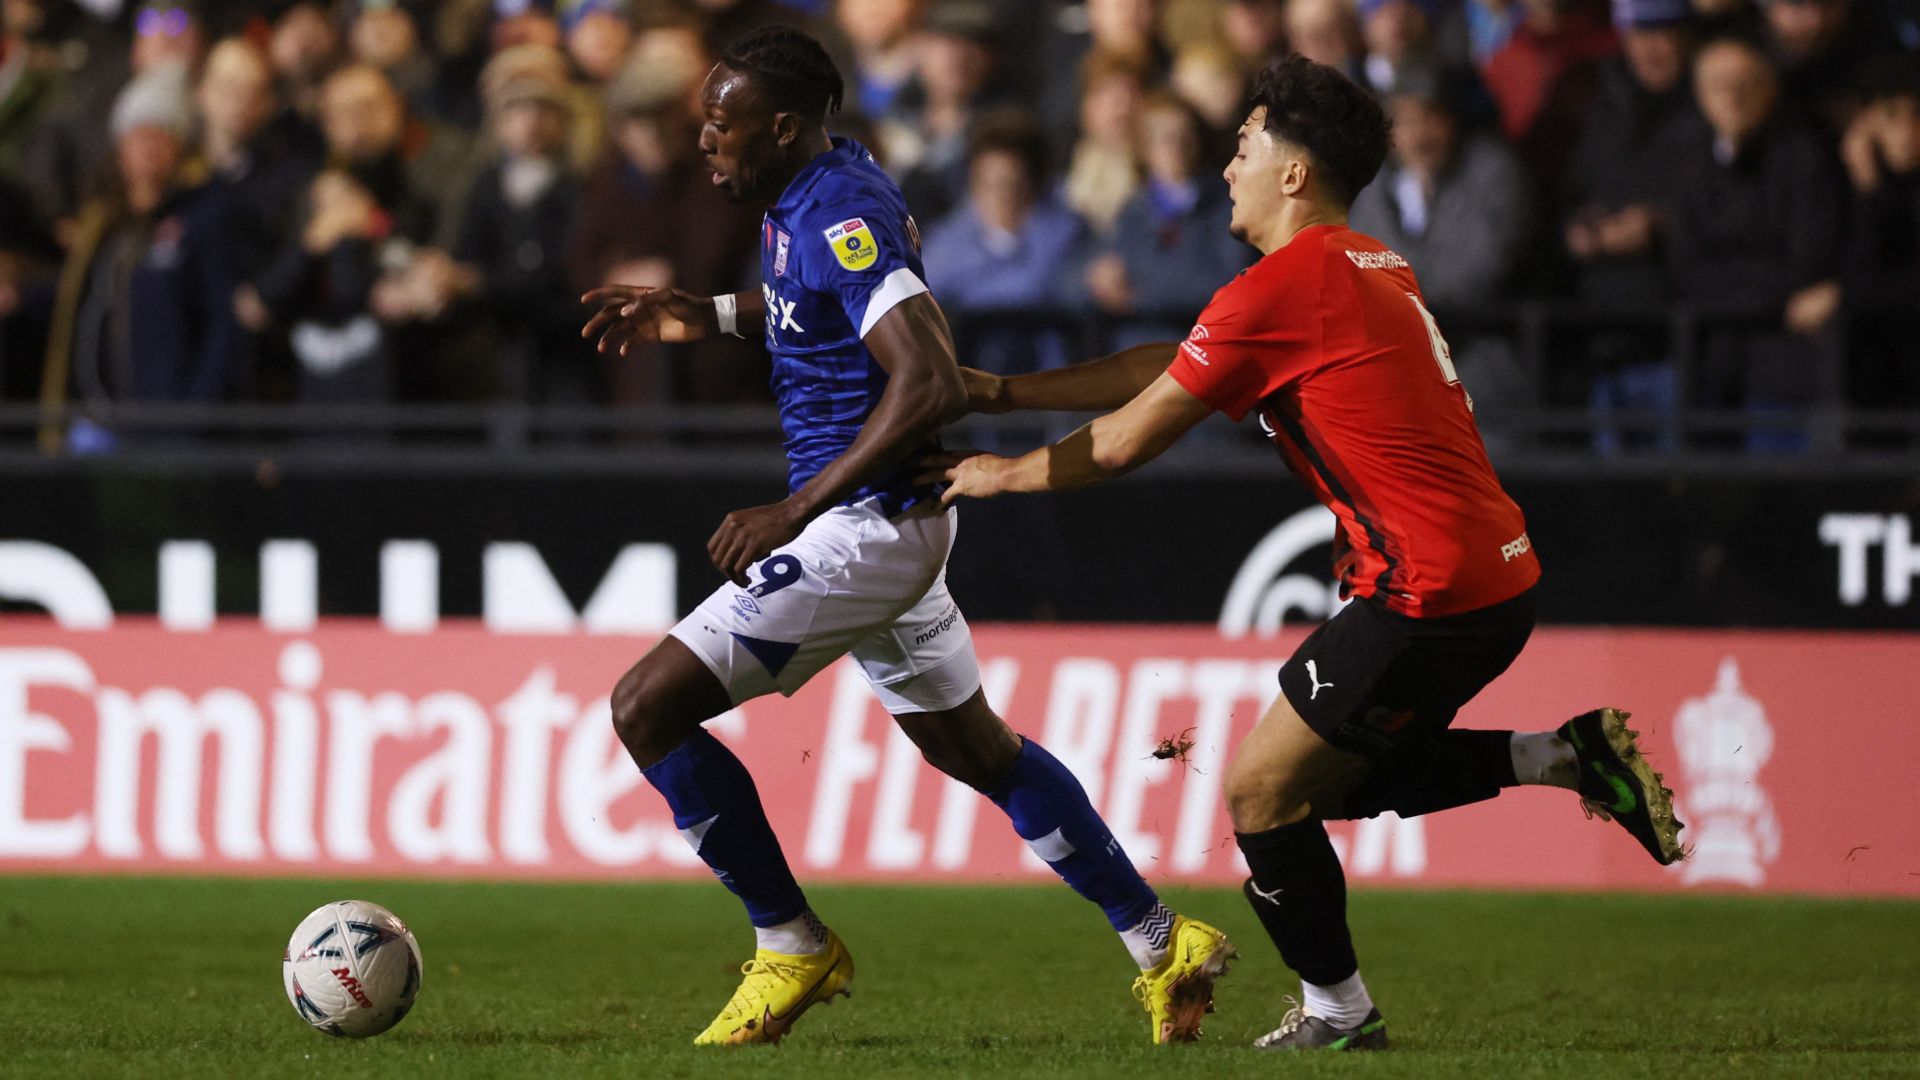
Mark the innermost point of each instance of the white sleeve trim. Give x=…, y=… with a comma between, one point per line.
x=902, y=284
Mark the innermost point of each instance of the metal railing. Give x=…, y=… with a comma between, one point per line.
x=1530, y=432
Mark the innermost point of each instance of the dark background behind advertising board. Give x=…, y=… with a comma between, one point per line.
x=1669, y=550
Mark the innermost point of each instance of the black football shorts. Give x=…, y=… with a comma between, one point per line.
x=1369, y=680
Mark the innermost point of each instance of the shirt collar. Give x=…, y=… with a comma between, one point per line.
x=844, y=151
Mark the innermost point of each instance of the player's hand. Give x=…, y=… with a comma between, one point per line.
x=986, y=392
x=636, y=314
x=968, y=474
x=747, y=536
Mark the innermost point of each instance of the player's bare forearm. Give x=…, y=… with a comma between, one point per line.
x=1103, y=449
x=1097, y=385
x=923, y=393
x=1110, y=446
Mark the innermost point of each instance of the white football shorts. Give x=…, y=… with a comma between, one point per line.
x=854, y=581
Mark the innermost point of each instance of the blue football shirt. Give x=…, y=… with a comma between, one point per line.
x=838, y=251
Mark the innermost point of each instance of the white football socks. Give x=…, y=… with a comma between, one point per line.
x=805, y=935
x=1149, y=939
x=1344, y=1004
x=1543, y=757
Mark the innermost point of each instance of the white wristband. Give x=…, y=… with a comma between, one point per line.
x=726, y=312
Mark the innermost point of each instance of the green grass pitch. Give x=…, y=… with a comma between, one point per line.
x=179, y=978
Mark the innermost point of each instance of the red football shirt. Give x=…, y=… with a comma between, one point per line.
x=1329, y=339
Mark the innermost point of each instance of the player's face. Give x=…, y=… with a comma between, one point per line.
x=738, y=137
x=1253, y=178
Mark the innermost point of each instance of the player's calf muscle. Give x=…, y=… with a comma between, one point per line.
x=969, y=743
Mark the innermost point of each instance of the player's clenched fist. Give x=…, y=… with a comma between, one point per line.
x=747, y=536
x=630, y=314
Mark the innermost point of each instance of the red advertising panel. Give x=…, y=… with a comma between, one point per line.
x=356, y=750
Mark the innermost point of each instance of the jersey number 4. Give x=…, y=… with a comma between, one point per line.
x=1442, y=354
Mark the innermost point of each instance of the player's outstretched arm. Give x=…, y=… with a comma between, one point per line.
x=1112, y=445
x=1096, y=386
x=915, y=347
x=627, y=315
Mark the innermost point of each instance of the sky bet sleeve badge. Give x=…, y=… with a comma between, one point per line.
x=853, y=244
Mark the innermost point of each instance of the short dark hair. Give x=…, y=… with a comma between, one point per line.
x=1327, y=114
x=1011, y=131
x=791, y=67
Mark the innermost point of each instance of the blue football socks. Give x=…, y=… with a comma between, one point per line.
x=717, y=808
x=1051, y=812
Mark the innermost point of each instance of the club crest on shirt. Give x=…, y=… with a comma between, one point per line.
x=852, y=244
x=782, y=241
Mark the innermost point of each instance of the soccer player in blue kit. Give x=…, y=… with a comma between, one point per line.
x=853, y=560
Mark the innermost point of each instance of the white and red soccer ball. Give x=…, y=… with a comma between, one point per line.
x=352, y=969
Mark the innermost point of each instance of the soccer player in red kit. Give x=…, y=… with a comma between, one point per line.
x=1328, y=340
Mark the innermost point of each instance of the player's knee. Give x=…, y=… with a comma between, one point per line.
x=638, y=718
x=1261, y=798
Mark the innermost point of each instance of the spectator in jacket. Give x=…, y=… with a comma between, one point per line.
x=1882, y=267
x=145, y=308
x=358, y=270
x=1171, y=247
x=1456, y=204
x=1114, y=34
x=960, y=53
x=73, y=154
x=1103, y=169
x=1544, y=77
x=633, y=228
x=1757, y=224
x=1009, y=247
x=262, y=160
x=511, y=245
x=1617, y=194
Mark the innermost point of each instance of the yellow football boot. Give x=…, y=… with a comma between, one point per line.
x=776, y=990
x=1178, y=994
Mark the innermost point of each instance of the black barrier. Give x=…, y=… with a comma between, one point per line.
x=1169, y=545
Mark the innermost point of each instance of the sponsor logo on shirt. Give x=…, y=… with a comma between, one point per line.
x=1377, y=260
x=1193, y=348
x=780, y=311
x=1515, y=548
x=852, y=244
x=782, y=242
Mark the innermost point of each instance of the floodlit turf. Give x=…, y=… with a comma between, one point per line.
x=165, y=977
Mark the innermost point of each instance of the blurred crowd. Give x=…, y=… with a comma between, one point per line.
x=371, y=201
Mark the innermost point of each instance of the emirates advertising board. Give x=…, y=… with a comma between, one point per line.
x=347, y=746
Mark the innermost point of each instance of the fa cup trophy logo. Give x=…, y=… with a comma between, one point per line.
x=1724, y=740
